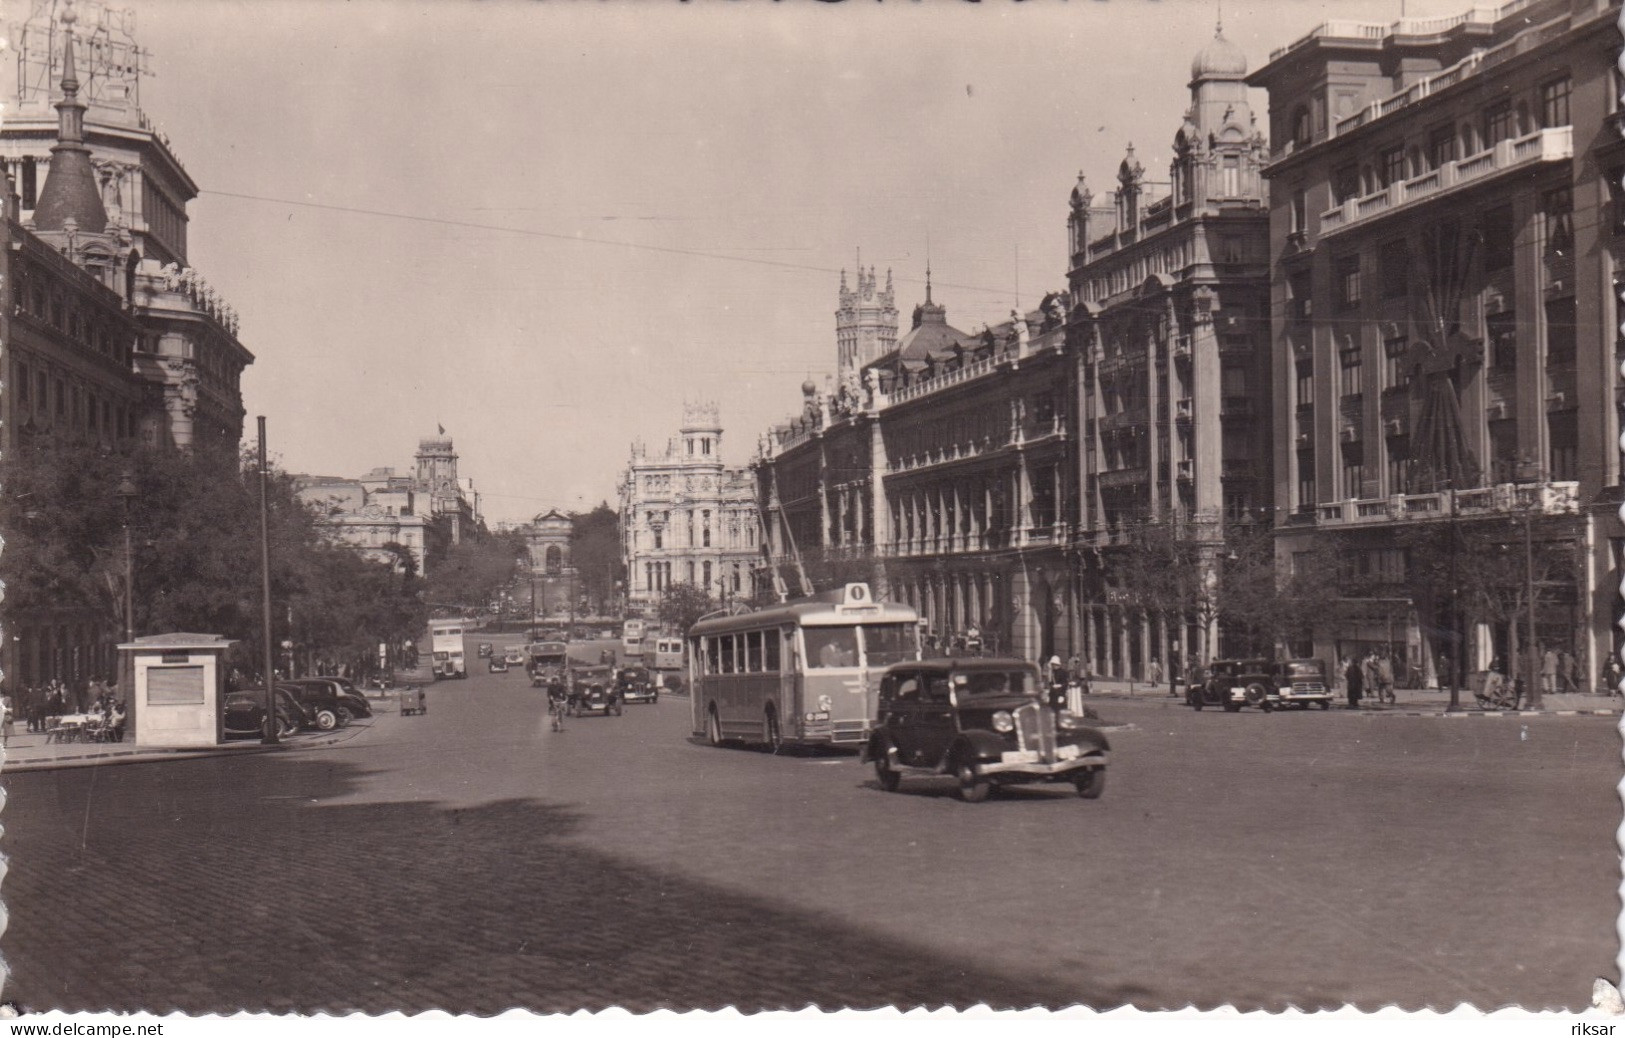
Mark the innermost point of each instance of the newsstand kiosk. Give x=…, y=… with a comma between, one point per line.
x=176, y=687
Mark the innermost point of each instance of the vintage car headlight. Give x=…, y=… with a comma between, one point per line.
x=1003, y=722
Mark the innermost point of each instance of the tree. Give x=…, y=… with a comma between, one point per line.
x=195, y=528
x=595, y=551
x=471, y=572
x=683, y=604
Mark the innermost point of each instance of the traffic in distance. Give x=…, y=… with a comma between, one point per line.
x=841, y=669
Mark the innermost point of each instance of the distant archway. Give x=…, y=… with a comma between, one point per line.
x=554, y=563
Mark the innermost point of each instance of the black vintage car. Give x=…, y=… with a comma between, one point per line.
x=986, y=723
x=593, y=689
x=244, y=712
x=347, y=695
x=324, y=708
x=1263, y=683
x=636, y=685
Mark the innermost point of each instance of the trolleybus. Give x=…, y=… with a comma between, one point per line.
x=804, y=672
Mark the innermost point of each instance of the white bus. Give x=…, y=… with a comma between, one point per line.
x=668, y=653
x=803, y=672
x=446, y=642
x=632, y=638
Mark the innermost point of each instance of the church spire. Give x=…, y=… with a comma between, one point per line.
x=70, y=191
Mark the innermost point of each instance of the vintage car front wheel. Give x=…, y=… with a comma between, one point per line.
x=326, y=720
x=1090, y=783
x=1257, y=696
x=973, y=785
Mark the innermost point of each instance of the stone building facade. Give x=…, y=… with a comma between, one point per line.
x=1445, y=251
x=944, y=480
x=1170, y=327
x=125, y=219
x=105, y=340
x=686, y=517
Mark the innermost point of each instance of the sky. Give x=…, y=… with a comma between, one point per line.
x=545, y=225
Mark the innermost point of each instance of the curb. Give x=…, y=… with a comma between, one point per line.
x=156, y=754
x=1169, y=701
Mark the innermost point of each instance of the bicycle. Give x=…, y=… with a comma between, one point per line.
x=1498, y=693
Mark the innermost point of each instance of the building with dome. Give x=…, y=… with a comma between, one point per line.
x=108, y=338
x=1169, y=285
x=687, y=518
x=994, y=479
x=88, y=169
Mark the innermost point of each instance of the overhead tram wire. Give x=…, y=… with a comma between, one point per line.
x=559, y=236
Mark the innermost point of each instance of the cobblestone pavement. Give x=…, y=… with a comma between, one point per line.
x=473, y=861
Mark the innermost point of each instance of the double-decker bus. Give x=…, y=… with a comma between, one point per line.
x=446, y=642
x=632, y=638
x=802, y=672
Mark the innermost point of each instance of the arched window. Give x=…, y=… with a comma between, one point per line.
x=555, y=559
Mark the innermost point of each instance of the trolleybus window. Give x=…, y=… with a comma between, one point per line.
x=713, y=656
x=885, y=644
x=770, y=643
x=753, y=652
x=727, y=642
x=831, y=646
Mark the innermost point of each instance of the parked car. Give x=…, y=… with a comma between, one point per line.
x=244, y=712
x=637, y=685
x=324, y=709
x=349, y=697
x=485, y=649
x=984, y=721
x=497, y=665
x=1263, y=683
x=593, y=688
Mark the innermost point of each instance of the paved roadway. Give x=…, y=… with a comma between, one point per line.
x=472, y=860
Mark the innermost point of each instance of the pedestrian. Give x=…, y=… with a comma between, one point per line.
x=1155, y=674
x=1355, y=676
x=1612, y=675
x=7, y=729
x=1548, y=672
x=1057, y=681
x=1569, y=671
x=31, y=707
x=1368, y=672
x=1385, y=679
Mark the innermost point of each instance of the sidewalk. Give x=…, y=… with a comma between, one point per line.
x=28, y=751
x=1410, y=702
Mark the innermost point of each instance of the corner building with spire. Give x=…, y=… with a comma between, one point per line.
x=1170, y=328
x=107, y=338
x=99, y=179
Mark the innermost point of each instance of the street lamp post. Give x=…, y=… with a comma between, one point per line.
x=269, y=735
x=126, y=493
x=1455, y=616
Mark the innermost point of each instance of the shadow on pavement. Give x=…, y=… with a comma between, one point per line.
x=215, y=886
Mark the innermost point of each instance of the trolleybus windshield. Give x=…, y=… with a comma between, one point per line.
x=885, y=644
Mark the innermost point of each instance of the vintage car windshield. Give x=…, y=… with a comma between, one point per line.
x=1305, y=669
x=831, y=647
x=994, y=683
x=634, y=673
x=885, y=644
